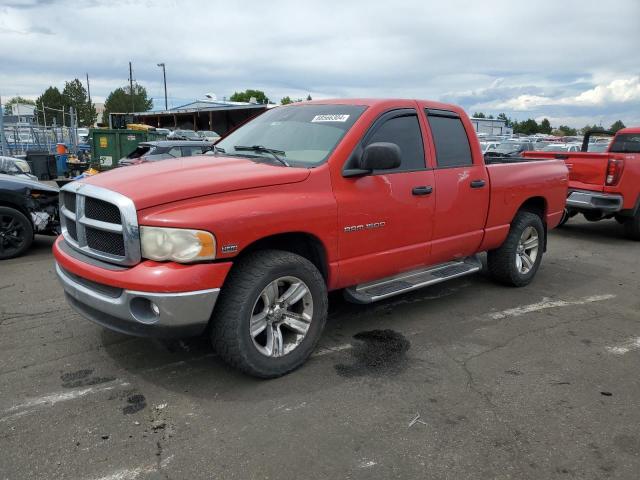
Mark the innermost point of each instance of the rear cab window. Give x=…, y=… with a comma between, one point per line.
x=626, y=143
x=450, y=139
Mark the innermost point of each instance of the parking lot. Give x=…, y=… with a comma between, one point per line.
x=466, y=379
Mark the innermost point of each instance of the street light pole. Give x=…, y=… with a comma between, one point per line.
x=164, y=76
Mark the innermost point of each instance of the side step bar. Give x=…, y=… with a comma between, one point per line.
x=413, y=280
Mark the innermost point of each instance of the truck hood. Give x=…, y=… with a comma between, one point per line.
x=166, y=181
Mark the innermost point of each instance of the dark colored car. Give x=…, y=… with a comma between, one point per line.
x=510, y=149
x=27, y=207
x=165, y=149
x=184, y=135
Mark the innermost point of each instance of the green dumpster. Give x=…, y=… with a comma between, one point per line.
x=109, y=146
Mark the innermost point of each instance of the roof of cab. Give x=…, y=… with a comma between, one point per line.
x=371, y=102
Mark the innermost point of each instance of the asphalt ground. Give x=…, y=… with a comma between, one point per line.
x=464, y=380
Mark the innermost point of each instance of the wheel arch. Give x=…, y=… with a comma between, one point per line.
x=537, y=205
x=15, y=206
x=304, y=244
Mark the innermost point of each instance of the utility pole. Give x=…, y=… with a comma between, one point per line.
x=131, y=87
x=88, y=89
x=164, y=75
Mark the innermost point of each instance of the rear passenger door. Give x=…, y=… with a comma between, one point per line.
x=461, y=188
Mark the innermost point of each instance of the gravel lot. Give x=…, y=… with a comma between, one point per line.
x=465, y=380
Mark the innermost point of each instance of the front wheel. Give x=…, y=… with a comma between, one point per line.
x=270, y=314
x=16, y=233
x=517, y=260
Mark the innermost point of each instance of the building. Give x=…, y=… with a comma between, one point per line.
x=22, y=115
x=218, y=116
x=491, y=126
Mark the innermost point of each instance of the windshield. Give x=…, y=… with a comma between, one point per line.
x=626, y=143
x=303, y=135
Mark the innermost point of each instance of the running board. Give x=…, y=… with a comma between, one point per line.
x=413, y=280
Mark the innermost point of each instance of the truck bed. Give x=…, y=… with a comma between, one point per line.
x=516, y=179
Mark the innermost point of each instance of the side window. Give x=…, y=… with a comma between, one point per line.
x=175, y=152
x=404, y=131
x=451, y=141
x=191, y=151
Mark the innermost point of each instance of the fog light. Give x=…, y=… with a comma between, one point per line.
x=144, y=310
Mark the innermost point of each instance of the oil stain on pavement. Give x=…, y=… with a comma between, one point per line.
x=136, y=403
x=82, y=378
x=376, y=353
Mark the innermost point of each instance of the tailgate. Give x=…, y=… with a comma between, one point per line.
x=586, y=170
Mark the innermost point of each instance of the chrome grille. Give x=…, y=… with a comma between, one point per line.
x=101, y=210
x=100, y=223
x=109, y=242
x=69, y=201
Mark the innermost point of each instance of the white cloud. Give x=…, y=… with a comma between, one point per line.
x=495, y=53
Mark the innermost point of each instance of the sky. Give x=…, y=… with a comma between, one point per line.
x=574, y=62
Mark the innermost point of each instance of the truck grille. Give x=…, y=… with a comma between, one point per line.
x=100, y=223
x=101, y=210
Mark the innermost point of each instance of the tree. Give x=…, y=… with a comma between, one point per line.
x=566, y=131
x=120, y=101
x=545, y=126
x=248, y=94
x=309, y=98
x=591, y=128
x=75, y=95
x=286, y=100
x=49, y=105
x=8, y=107
x=617, y=125
x=478, y=115
x=528, y=127
x=507, y=121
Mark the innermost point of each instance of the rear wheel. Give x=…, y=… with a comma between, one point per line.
x=270, y=314
x=518, y=258
x=16, y=233
x=632, y=227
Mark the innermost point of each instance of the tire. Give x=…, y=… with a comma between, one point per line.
x=506, y=264
x=632, y=227
x=565, y=218
x=16, y=233
x=249, y=293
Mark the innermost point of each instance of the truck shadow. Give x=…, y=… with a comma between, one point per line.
x=609, y=230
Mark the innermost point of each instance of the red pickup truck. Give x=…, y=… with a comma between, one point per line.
x=376, y=197
x=605, y=185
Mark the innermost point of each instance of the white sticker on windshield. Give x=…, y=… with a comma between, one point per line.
x=330, y=118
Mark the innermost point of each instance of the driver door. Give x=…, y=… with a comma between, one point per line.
x=385, y=217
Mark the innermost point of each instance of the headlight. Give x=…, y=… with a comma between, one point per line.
x=177, y=244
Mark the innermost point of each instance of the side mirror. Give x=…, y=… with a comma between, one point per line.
x=381, y=156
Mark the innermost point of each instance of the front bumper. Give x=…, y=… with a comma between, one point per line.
x=145, y=314
x=595, y=201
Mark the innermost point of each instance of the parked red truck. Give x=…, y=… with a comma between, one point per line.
x=605, y=185
x=376, y=197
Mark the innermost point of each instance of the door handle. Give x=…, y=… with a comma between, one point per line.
x=478, y=184
x=422, y=190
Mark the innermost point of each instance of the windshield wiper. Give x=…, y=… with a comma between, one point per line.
x=259, y=148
